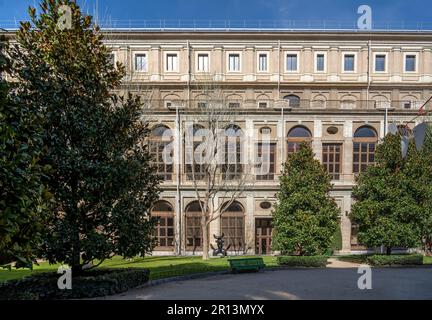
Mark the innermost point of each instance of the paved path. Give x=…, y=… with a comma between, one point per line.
x=339, y=283
x=335, y=263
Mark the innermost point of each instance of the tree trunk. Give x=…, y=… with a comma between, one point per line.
x=388, y=250
x=205, y=241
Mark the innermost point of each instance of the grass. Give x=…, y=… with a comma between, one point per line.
x=427, y=260
x=160, y=267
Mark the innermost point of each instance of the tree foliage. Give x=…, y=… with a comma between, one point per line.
x=305, y=217
x=23, y=195
x=102, y=181
x=393, y=197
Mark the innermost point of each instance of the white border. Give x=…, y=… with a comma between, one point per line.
x=134, y=54
x=166, y=53
x=345, y=53
x=286, y=53
x=240, y=61
x=316, y=62
x=258, y=64
x=385, y=54
x=416, y=54
x=197, y=53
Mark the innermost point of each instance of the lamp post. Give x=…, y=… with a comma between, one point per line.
x=177, y=158
x=283, y=106
x=386, y=109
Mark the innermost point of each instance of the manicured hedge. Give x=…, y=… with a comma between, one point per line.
x=93, y=283
x=405, y=259
x=303, y=261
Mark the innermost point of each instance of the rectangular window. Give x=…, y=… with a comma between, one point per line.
x=262, y=62
x=234, y=105
x=349, y=62
x=141, y=62
x=270, y=158
x=410, y=63
x=234, y=62
x=262, y=105
x=171, y=62
x=193, y=232
x=232, y=226
x=332, y=159
x=165, y=232
x=203, y=62
x=363, y=156
x=291, y=62
x=202, y=105
x=320, y=62
x=157, y=148
x=380, y=63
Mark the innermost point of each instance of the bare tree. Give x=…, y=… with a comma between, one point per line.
x=216, y=162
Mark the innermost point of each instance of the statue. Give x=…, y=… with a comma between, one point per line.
x=220, y=244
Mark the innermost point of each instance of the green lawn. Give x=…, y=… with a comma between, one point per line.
x=160, y=267
x=427, y=260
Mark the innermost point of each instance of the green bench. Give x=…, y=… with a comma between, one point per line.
x=246, y=264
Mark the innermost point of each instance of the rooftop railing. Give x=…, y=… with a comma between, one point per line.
x=248, y=25
x=303, y=104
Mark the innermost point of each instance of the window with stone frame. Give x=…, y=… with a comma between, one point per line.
x=161, y=142
x=194, y=171
x=271, y=157
x=165, y=228
x=193, y=234
x=295, y=137
x=364, y=145
x=232, y=226
x=332, y=159
x=232, y=167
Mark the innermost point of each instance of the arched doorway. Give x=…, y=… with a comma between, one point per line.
x=163, y=210
x=296, y=136
x=232, y=226
x=364, y=144
x=193, y=231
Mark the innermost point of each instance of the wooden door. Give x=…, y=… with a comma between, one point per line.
x=263, y=235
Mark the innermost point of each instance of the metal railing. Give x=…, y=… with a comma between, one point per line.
x=271, y=104
x=248, y=25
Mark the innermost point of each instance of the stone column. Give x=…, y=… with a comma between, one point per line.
x=317, y=142
x=346, y=224
x=348, y=153
x=250, y=224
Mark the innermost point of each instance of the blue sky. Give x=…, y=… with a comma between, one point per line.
x=343, y=10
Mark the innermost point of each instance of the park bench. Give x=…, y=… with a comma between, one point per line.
x=246, y=264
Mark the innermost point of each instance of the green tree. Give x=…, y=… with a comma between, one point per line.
x=391, y=197
x=23, y=195
x=102, y=181
x=305, y=217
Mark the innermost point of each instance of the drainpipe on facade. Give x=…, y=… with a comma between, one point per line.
x=279, y=65
x=368, y=74
x=178, y=147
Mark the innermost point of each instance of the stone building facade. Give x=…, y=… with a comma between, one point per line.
x=330, y=88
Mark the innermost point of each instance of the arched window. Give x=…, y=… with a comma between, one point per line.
x=232, y=168
x=296, y=136
x=232, y=226
x=364, y=144
x=294, y=101
x=194, y=171
x=193, y=226
x=165, y=229
x=160, y=142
